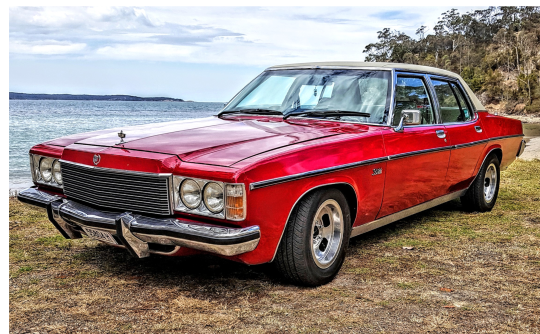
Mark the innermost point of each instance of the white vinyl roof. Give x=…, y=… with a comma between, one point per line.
x=398, y=66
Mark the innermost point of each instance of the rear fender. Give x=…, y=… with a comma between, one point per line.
x=496, y=149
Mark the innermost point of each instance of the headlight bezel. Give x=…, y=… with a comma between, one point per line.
x=202, y=209
x=45, y=167
x=55, y=163
x=35, y=167
x=186, y=203
x=206, y=197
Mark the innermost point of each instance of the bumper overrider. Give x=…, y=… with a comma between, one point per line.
x=136, y=232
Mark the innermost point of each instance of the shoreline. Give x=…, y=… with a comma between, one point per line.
x=523, y=118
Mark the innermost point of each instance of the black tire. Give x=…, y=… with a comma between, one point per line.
x=475, y=199
x=295, y=258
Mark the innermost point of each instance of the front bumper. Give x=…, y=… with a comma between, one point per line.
x=136, y=232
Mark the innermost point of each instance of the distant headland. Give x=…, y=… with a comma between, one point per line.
x=24, y=96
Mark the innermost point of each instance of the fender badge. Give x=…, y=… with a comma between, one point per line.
x=377, y=171
x=122, y=135
x=97, y=159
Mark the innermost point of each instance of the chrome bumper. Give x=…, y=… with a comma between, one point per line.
x=135, y=231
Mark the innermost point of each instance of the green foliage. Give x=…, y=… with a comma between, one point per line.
x=492, y=84
x=474, y=78
x=496, y=50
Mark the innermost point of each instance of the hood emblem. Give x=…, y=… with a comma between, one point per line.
x=97, y=159
x=122, y=135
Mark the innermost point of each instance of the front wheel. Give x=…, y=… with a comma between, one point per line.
x=315, y=239
x=482, y=194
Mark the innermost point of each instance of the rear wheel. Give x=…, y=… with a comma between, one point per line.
x=482, y=194
x=315, y=240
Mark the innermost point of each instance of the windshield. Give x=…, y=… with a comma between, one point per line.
x=318, y=90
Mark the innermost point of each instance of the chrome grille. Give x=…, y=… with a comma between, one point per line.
x=117, y=189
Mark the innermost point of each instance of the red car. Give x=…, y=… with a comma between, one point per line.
x=300, y=160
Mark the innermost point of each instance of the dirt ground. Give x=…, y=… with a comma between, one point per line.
x=465, y=273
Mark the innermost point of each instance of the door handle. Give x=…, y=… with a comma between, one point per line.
x=478, y=129
x=440, y=134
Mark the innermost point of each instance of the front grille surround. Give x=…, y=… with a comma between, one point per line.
x=138, y=192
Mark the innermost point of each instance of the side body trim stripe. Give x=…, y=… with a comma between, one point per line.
x=409, y=154
x=294, y=177
x=478, y=142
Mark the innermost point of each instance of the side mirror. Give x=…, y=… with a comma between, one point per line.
x=408, y=117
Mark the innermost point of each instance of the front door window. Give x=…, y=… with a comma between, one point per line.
x=411, y=94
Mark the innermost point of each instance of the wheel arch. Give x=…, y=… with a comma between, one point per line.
x=346, y=188
x=497, y=150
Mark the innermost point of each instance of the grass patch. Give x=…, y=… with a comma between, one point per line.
x=359, y=271
x=57, y=241
x=408, y=242
x=490, y=261
x=387, y=259
x=25, y=269
x=406, y=285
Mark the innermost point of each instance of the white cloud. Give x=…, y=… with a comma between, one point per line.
x=46, y=48
x=145, y=51
x=220, y=35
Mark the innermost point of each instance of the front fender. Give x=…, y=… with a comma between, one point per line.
x=270, y=207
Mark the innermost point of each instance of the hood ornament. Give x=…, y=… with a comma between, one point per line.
x=122, y=135
x=97, y=159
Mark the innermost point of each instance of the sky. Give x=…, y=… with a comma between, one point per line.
x=193, y=53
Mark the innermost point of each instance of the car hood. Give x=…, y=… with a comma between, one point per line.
x=212, y=140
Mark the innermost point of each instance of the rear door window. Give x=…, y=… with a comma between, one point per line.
x=453, y=106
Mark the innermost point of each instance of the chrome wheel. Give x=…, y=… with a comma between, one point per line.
x=490, y=182
x=327, y=232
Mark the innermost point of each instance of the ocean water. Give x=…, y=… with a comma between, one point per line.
x=33, y=122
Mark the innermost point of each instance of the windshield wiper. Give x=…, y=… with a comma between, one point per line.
x=251, y=112
x=328, y=113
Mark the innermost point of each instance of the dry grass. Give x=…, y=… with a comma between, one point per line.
x=489, y=265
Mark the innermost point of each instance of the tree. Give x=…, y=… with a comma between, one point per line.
x=496, y=50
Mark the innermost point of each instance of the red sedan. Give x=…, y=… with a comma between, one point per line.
x=303, y=158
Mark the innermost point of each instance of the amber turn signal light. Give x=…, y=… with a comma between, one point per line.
x=235, y=202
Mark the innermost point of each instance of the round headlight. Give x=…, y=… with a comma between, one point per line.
x=45, y=169
x=190, y=193
x=213, y=197
x=57, y=173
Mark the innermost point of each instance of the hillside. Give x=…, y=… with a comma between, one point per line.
x=496, y=50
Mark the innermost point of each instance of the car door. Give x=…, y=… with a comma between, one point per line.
x=464, y=132
x=419, y=155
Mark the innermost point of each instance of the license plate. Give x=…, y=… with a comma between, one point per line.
x=100, y=235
